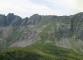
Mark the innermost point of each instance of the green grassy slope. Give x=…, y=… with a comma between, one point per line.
x=39, y=52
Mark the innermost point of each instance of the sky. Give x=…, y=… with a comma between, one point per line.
x=26, y=8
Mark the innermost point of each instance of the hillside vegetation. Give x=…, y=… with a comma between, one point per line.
x=39, y=52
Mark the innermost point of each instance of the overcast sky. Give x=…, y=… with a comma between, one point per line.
x=26, y=8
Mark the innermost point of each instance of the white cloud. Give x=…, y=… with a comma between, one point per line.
x=78, y=6
x=26, y=8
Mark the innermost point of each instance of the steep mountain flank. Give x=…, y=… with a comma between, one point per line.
x=62, y=31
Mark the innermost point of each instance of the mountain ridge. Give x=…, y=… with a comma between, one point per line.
x=62, y=31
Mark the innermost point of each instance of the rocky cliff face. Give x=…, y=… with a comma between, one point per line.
x=15, y=20
x=63, y=31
